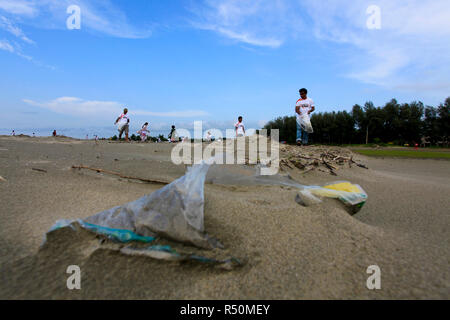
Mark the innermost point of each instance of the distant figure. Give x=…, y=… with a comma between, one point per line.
x=54, y=133
x=240, y=128
x=123, y=124
x=208, y=136
x=33, y=135
x=173, y=135
x=303, y=108
x=13, y=133
x=87, y=137
x=143, y=132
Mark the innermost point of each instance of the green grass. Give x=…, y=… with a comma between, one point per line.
x=404, y=153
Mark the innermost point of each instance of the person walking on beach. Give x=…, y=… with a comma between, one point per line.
x=240, y=128
x=54, y=133
x=123, y=124
x=143, y=132
x=303, y=108
x=173, y=135
x=13, y=133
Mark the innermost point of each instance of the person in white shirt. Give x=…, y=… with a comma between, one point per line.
x=123, y=124
x=240, y=128
x=303, y=108
x=144, y=132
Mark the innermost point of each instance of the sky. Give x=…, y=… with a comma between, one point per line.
x=180, y=61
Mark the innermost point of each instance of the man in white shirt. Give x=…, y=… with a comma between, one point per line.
x=303, y=108
x=240, y=128
x=123, y=124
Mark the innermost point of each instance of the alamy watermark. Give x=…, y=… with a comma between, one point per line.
x=374, y=281
x=374, y=20
x=74, y=20
x=231, y=150
x=74, y=281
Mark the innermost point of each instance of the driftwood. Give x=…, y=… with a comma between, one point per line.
x=40, y=170
x=324, y=159
x=121, y=175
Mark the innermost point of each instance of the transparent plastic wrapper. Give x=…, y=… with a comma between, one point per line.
x=119, y=235
x=175, y=212
x=305, y=123
x=350, y=194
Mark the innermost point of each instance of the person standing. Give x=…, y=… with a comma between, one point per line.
x=123, y=124
x=13, y=133
x=143, y=132
x=240, y=128
x=173, y=135
x=303, y=108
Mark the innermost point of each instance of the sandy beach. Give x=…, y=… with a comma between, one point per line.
x=289, y=251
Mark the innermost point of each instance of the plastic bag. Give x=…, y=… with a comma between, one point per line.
x=174, y=212
x=350, y=194
x=305, y=123
x=120, y=235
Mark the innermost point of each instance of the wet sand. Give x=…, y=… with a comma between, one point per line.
x=290, y=251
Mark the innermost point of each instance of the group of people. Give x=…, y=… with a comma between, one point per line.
x=303, y=108
x=123, y=126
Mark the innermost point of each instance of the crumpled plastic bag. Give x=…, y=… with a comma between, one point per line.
x=305, y=123
x=352, y=195
x=174, y=212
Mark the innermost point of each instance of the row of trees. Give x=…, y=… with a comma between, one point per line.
x=393, y=123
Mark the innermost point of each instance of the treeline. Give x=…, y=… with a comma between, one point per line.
x=393, y=123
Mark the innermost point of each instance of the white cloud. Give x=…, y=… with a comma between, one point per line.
x=5, y=45
x=409, y=51
x=9, y=26
x=174, y=114
x=78, y=107
x=414, y=39
x=264, y=23
x=74, y=106
x=98, y=16
x=21, y=7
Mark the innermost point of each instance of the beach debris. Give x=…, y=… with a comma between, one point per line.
x=306, y=199
x=3, y=179
x=320, y=158
x=40, y=170
x=352, y=195
x=169, y=254
x=174, y=212
x=159, y=252
x=121, y=175
x=119, y=235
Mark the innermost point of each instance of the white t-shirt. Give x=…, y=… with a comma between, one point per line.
x=305, y=106
x=123, y=120
x=240, y=128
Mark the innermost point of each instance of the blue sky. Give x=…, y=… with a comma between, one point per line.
x=178, y=61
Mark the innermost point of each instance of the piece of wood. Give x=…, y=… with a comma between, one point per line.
x=3, y=179
x=40, y=170
x=121, y=175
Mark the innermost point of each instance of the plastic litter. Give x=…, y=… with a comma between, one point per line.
x=305, y=123
x=119, y=235
x=168, y=254
x=174, y=212
x=350, y=194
